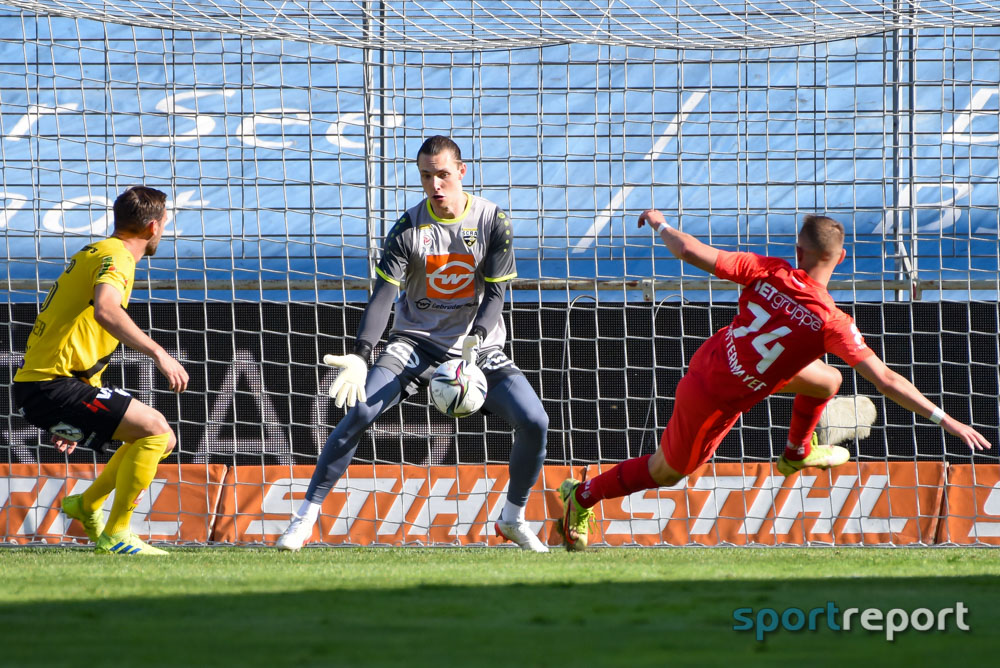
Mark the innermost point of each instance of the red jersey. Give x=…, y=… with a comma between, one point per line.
x=785, y=321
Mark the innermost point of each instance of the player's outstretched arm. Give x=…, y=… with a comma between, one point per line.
x=682, y=245
x=904, y=393
x=110, y=315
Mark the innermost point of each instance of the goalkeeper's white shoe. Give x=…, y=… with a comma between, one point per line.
x=298, y=532
x=520, y=533
x=845, y=418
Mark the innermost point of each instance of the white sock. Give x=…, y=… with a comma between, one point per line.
x=512, y=513
x=309, y=510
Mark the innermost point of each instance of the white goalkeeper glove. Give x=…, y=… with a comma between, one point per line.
x=470, y=349
x=349, y=385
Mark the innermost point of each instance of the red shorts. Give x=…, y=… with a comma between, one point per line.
x=697, y=426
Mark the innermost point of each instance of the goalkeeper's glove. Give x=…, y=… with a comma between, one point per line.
x=470, y=348
x=349, y=385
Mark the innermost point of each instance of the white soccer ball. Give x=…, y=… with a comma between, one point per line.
x=458, y=389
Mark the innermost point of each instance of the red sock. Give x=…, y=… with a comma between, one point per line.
x=632, y=475
x=805, y=417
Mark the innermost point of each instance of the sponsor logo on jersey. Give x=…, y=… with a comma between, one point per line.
x=107, y=265
x=778, y=301
x=470, y=236
x=451, y=276
x=424, y=304
x=67, y=431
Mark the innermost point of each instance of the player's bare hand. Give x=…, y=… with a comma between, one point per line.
x=63, y=445
x=175, y=374
x=653, y=218
x=972, y=438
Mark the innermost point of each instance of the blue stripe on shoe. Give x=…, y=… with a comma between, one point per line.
x=115, y=548
x=137, y=549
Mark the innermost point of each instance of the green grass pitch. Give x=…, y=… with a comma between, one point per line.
x=482, y=607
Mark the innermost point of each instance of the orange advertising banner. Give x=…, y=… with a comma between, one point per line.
x=860, y=503
x=382, y=504
x=742, y=504
x=723, y=504
x=179, y=505
x=972, y=505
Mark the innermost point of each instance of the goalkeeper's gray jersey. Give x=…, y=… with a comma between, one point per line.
x=441, y=266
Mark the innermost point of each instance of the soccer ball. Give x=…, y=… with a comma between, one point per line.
x=458, y=389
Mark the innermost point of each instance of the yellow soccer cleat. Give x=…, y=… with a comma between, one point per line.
x=93, y=523
x=820, y=457
x=127, y=543
x=574, y=527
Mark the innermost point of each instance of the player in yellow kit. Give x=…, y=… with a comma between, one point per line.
x=58, y=387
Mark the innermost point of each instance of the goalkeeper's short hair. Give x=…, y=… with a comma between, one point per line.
x=439, y=144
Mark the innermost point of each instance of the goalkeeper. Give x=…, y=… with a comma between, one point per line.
x=58, y=387
x=785, y=322
x=451, y=256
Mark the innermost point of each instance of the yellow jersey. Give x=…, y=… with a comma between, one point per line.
x=66, y=339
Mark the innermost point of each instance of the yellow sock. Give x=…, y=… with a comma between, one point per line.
x=136, y=471
x=95, y=495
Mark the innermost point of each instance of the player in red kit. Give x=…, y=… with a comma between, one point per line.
x=786, y=321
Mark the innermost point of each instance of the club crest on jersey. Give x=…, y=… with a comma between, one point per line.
x=469, y=236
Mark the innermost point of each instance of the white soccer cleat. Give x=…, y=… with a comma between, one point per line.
x=520, y=533
x=845, y=418
x=298, y=532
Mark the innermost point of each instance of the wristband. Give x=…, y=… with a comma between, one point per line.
x=362, y=349
x=937, y=415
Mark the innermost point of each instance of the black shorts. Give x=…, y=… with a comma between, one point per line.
x=72, y=409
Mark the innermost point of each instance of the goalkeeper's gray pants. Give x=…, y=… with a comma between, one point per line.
x=510, y=396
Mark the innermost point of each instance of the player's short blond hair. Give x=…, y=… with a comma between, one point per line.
x=821, y=235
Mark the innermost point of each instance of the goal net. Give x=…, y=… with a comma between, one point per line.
x=285, y=133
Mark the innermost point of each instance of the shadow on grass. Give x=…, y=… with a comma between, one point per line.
x=604, y=624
